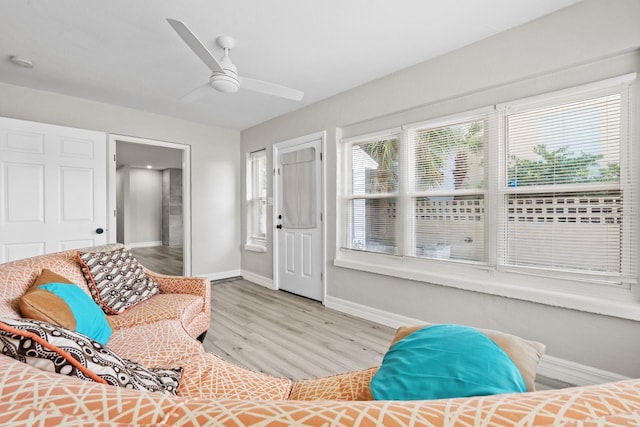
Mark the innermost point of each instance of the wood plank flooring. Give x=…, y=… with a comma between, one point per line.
x=161, y=259
x=282, y=334
x=287, y=335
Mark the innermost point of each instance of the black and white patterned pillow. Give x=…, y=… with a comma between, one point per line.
x=59, y=350
x=116, y=279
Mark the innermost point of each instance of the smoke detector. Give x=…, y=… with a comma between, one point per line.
x=21, y=61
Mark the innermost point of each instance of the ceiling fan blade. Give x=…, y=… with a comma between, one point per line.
x=271, y=88
x=197, y=94
x=196, y=45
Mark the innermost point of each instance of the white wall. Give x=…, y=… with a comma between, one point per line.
x=144, y=206
x=122, y=195
x=215, y=162
x=589, y=41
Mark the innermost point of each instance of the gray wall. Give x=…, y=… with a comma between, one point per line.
x=122, y=194
x=144, y=207
x=215, y=161
x=172, y=221
x=139, y=206
x=589, y=41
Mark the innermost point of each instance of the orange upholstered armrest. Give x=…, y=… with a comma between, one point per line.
x=199, y=286
x=181, y=284
x=336, y=387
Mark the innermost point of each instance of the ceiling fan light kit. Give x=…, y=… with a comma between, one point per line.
x=224, y=83
x=224, y=75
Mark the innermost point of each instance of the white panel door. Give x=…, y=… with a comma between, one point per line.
x=298, y=218
x=53, y=188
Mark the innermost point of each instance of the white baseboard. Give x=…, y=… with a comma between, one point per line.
x=575, y=373
x=143, y=244
x=550, y=366
x=221, y=275
x=258, y=279
x=372, y=314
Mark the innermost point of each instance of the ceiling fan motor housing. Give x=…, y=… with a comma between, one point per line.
x=225, y=83
x=228, y=81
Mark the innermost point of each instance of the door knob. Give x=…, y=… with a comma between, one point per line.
x=279, y=226
x=99, y=230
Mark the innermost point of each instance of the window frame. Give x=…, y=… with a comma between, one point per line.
x=350, y=195
x=585, y=292
x=255, y=241
x=483, y=114
x=503, y=191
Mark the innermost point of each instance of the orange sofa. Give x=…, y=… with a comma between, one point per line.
x=161, y=332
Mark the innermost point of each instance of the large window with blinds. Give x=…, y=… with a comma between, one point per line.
x=563, y=206
x=538, y=188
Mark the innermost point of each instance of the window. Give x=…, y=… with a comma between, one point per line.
x=448, y=190
x=256, y=201
x=563, y=202
x=533, y=195
x=373, y=195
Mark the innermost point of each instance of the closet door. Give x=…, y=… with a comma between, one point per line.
x=53, y=188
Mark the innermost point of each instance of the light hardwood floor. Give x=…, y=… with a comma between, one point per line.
x=286, y=335
x=282, y=334
x=161, y=259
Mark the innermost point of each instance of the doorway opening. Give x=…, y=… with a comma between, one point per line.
x=149, y=198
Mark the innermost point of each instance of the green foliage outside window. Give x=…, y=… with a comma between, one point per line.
x=560, y=167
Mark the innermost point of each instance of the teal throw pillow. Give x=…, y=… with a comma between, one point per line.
x=90, y=319
x=445, y=361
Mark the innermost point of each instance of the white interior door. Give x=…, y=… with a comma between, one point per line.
x=298, y=217
x=53, y=188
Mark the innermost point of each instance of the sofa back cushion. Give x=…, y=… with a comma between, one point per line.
x=16, y=277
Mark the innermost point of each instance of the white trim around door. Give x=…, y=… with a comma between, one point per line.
x=186, y=185
x=287, y=146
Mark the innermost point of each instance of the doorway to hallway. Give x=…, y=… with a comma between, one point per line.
x=150, y=201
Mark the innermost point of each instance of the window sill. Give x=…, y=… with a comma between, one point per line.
x=255, y=248
x=500, y=283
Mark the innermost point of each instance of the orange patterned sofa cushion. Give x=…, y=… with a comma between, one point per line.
x=155, y=344
x=206, y=375
x=28, y=400
x=183, y=307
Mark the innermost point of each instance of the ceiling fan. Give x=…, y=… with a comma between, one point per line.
x=224, y=75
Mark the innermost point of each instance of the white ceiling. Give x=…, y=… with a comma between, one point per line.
x=147, y=156
x=124, y=52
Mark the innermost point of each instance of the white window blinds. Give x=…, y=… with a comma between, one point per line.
x=564, y=205
x=257, y=197
x=449, y=199
x=372, y=199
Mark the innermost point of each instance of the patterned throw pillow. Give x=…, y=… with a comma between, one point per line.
x=116, y=279
x=54, y=299
x=56, y=349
